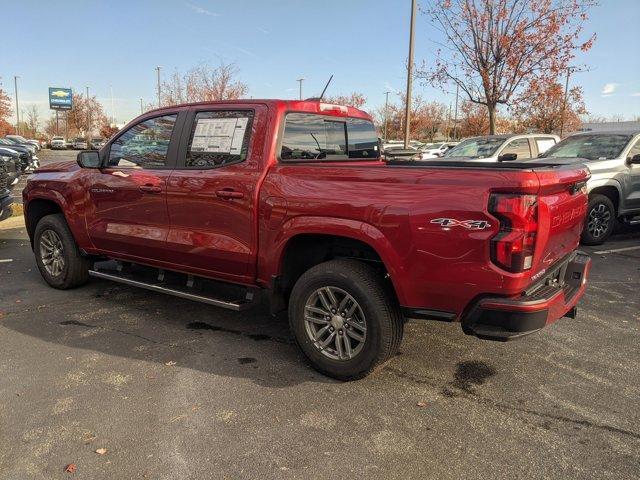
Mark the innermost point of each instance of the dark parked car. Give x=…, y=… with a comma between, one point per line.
x=5, y=195
x=11, y=163
x=26, y=158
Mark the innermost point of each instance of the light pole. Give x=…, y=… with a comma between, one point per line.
x=158, y=71
x=407, y=111
x=386, y=113
x=15, y=85
x=113, y=111
x=88, y=112
x=570, y=70
x=455, y=117
x=300, y=80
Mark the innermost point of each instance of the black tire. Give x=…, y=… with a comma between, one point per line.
x=75, y=269
x=600, y=220
x=384, y=321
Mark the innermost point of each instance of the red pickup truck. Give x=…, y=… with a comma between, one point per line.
x=219, y=201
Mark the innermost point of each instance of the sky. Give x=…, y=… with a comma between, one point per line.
x=114, y=46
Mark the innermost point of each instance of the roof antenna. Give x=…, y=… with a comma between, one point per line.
x=319, y=99
x=325, y=87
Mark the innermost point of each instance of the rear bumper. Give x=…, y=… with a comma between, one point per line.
x=556, y=296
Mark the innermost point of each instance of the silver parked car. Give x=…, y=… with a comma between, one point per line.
x=614, y=186
x=502, y=148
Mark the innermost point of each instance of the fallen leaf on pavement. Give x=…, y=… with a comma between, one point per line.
x=170, y=364
x=101, y=451
x=71, y=468
x=421, y=404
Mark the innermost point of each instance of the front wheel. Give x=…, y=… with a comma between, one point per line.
x=57, y=255
x=345, y=319
x=600, y=221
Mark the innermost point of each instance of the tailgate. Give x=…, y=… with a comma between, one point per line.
x=562, y=206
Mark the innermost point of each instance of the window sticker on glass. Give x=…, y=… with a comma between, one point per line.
x=219, y=135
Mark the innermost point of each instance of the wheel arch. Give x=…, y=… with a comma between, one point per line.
x=308, y=241
x=611, y=190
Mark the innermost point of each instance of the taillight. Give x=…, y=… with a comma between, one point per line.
x=512, y=248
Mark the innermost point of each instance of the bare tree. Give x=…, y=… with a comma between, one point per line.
x=203, y=84
x=33, y=119
x=495, y=47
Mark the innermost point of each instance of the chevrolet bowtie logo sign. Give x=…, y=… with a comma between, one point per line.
x=60, y=98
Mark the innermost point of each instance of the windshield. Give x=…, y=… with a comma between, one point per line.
x=57, y=138
x=482, y=147
x=435, y=146
x=591, y=147
x=18, y=138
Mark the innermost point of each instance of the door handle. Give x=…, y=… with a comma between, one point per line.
x=149, y=189
x=229, y=194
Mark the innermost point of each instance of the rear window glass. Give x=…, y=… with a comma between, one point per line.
x=319, y=137
x=219, y=137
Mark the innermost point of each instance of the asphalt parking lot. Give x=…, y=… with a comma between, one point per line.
x=176, y=389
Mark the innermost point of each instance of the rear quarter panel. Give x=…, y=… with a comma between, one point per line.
x=391, y=209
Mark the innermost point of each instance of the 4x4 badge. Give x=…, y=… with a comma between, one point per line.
x=468, y=224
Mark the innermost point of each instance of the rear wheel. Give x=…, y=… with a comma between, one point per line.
x=600, y=221
x=345, y=319
x=57, y=255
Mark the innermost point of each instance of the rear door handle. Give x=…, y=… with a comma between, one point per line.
x=229, y=194
x=150, y=189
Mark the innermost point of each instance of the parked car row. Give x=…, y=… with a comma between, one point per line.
x=78, y=143
x=612, y=157
x=23, y=154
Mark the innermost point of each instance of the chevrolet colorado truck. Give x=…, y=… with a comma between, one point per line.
x=220, y=202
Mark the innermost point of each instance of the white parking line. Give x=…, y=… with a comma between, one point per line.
x=615, y=250
x=6, y=260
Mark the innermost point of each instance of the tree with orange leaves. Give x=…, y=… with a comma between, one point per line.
x=5, y=112
x=542, y=108
x=495, y=48
x=355, y=99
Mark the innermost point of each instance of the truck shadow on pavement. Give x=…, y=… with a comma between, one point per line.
x=129, y=322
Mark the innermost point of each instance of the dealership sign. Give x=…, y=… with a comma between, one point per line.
x=60, y=98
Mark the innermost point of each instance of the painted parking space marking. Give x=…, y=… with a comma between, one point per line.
x=615, y=250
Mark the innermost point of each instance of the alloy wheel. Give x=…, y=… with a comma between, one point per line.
x=52, y=253
x=335, y=323
x=598, y=221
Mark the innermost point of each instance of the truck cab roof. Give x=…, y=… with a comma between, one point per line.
x=309, y=106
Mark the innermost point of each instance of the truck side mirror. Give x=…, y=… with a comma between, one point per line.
x=635, y=160
x=89, y=159
x=508, y=157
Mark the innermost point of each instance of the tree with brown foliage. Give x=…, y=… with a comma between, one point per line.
x=5, y=113
x=107, y=131
x=203, y=84
x=427, y=118
x=86, y=116
x=495, y=48
x=355, y=99
x=541, y=106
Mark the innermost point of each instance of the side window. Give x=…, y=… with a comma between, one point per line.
x=144, y=145
x=320, y=137
x=520, y=147
x=635, y=150
x=219, y=138
x=544, y=144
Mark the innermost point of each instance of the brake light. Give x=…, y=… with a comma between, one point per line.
x=513, y=246
x=338, y=109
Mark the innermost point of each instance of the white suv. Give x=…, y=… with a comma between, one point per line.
x=58, y=143
x=502, y=148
